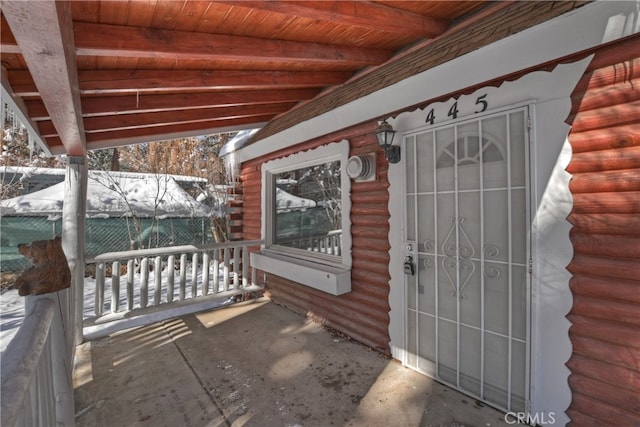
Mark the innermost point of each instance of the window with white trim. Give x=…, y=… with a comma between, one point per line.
x=306, y=218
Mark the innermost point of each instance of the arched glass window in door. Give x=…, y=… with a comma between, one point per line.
x=468, y=152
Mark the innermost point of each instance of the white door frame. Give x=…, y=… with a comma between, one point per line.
x=548, y=94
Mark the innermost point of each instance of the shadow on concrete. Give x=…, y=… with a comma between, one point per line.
x=256, y=364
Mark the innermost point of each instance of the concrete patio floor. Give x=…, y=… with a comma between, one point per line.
x=256, y=364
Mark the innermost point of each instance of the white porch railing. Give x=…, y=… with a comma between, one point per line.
x=36, y=367
x=142, y=281
x=330, y=243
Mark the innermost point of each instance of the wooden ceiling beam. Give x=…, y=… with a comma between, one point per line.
x=137, y=42
x=132, y=104
x=44, y=33
x=164, y=118
x=108, y=105
x=156, y=133
x=362, y=14
x=93, y=82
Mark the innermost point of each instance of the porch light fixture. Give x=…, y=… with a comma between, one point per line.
x=385, y=134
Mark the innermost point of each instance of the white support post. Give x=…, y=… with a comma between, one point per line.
x=73, y=224
x=71, y=301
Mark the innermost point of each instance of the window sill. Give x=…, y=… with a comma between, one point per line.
x=329, y=279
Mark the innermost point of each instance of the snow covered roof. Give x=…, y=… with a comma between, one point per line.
x=287, y=202
x=109, y=196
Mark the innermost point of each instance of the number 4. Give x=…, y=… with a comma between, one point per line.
x=431, y=117
x=453, y=111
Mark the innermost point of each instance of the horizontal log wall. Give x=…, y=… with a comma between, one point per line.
x=363, y=313
x=605, y=332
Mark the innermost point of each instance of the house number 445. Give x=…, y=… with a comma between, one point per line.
x=481, y=106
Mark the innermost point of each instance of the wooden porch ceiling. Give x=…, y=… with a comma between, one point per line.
x=96, y=74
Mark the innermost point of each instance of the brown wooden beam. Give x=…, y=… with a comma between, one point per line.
x=165, y=118
x=108, y=105
x=44, y=33
x=137, y=42
x=363, y=14
x=124, y=137
x=94, y=82
x=111, y=81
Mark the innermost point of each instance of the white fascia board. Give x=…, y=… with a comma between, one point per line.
x=580, y=29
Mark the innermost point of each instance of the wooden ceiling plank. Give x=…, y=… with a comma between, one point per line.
x=362, y=14
x=124, y=137
x=44, y=33
x=138, y=42
x=130, y=121
x=125, y=104
x=20, y=109
x=122, y=81
x=8, y=42
x=94, y=82
x=22, y=84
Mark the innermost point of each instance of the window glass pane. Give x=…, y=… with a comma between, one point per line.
x=308, y=211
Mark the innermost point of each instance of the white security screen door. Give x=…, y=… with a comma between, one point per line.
x=467, y=204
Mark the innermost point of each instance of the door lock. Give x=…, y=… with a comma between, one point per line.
x=409, y=266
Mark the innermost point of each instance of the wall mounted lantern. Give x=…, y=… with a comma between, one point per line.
x=385, y=134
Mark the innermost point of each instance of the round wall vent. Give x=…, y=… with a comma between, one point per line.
x=361, y=168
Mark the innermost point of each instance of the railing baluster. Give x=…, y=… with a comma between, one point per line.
x=130, y=275
x=205, y=273
x=236, y=267
x=157, y=274
x=225, y=269
x=99, y=288
x=183, y=276
x=245, y=265
x=216, y=271
x=144, y=282
x=194, y=275
x=115, y=286
x=171, y=269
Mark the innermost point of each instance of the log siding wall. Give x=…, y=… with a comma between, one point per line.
x=605, y=331
x=363, y=313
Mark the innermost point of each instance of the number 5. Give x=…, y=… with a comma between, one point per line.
x=481, y=100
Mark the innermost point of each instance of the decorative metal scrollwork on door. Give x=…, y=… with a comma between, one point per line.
x=458, y=262
x=458, y=250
